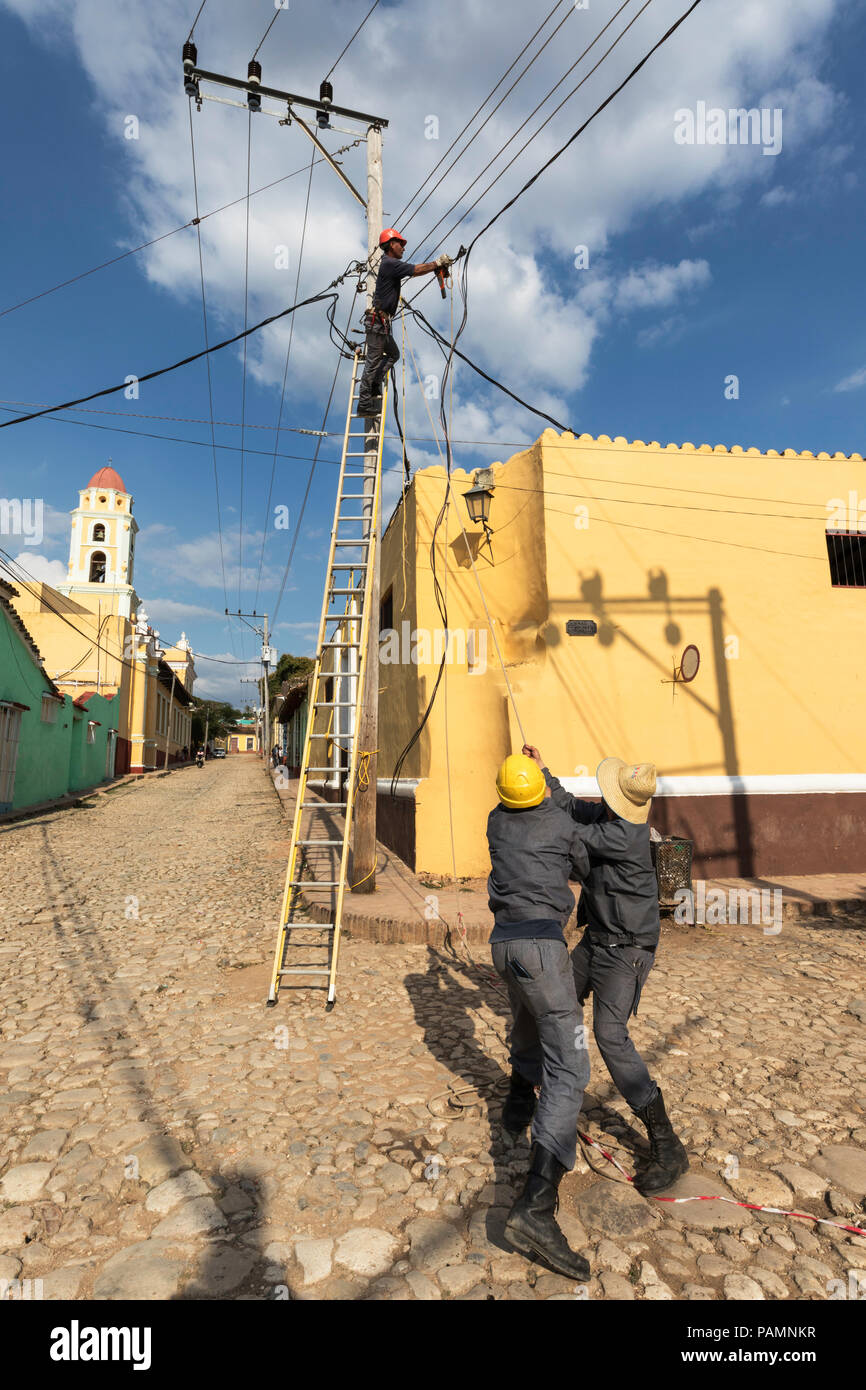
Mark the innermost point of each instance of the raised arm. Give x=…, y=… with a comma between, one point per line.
x=584, y=812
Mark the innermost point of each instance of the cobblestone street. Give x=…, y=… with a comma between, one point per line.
x=164, y=1135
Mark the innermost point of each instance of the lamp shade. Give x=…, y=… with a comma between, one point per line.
x=478, y=501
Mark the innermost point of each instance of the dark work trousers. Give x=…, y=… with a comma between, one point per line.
x=382, y=353
x=548, y=1042
x=615, y=975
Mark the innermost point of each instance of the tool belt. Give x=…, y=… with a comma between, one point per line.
x=377, y=318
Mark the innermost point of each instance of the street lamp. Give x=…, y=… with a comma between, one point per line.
x=478, y=499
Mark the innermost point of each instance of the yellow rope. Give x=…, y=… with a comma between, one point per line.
x=364, y=769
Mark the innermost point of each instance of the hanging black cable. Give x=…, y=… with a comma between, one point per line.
x=207, y=360
x=194, y=221
x=535, y=109
x=283, y=391
x=462, y=277
x=404, y=224
x=315, y=460
x=322, y=296
x=352, y=39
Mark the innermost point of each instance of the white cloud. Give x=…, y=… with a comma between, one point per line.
x=521, y=326
x=654, y=287
x=777, y=196
x=39, y=567
x=852, y=382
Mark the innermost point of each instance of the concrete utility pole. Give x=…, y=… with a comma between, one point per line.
x=266, y=702
x=364, y=843
x=170, y=713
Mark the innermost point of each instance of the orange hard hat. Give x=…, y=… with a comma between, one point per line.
x=390, y=234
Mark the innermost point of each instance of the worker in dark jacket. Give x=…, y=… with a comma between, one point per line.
x=535, y=848
x=382, y=351
x=619, y=909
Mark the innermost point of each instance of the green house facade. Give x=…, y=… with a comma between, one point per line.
x=50, y=744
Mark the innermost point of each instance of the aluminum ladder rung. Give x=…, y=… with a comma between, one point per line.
x=349, y=580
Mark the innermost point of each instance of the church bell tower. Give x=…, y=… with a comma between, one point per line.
x=102, y=546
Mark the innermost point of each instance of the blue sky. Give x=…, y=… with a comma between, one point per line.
x=703, y=261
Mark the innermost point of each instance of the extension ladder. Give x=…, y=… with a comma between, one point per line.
x=333, y=718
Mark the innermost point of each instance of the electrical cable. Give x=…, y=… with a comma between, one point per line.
x=283, y=391
x=311, y=474
x=535, y=109
x=176, y=438
x=207, y=361
x=352, y=39
x=277, y=10
x=244, y=366
x=488, y=118
x=196, y=20
x=463, y=283
x=321, y=297
x=194, y=221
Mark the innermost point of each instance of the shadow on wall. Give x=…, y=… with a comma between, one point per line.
x=734, y=850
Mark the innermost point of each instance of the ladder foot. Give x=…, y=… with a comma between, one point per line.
x=329, y=1006
x=272, y=1003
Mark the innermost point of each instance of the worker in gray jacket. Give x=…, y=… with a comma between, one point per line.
x=535, y=848
x=619, y=909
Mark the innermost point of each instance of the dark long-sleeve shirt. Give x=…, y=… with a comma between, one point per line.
x=533, y=854
x=619, y=899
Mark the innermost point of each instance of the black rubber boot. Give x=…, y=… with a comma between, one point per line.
x=520, y=1103
x=531, y=1227
x=667, y=1159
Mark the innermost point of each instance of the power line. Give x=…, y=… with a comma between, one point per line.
x=283, y=391
x=196, y=20
x=267, y=31
x=194, y=221
x=244, y=369
x=176, y=438
x=477, y=111
x=184, y=361
x=312, y=472
x=207, y=360
x=353, y=38
x=528, y=142
x=502, y=99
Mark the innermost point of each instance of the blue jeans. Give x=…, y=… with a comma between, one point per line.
x=615, y=975
x=548, y=1043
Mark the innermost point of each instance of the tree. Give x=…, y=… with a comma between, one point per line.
x=217, y=715
x=287, y=667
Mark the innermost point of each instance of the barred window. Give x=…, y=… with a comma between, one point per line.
x=50, y=706
x=846, y=551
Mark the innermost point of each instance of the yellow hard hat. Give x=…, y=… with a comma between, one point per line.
x=520, y=782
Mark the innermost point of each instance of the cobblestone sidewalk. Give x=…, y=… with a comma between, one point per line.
x=164, y=1135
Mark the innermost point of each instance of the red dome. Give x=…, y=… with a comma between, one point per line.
x=107, y=477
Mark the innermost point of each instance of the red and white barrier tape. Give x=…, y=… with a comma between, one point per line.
x=732, y=1201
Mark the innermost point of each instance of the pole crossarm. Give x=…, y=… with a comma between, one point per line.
x=199, y=75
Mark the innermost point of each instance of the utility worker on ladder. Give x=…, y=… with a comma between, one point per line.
x=535, y=848
x=619, y=906
x=382, y=351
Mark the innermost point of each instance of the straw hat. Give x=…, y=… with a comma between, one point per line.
x=628, y=788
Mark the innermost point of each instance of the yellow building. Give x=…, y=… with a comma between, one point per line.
x=244, y=737
x=755, y=559
x=95, y=635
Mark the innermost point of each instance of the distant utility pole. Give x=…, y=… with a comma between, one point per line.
x=364, y=843
x=268, y=660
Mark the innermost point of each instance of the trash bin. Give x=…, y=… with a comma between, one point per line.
x=672, y=859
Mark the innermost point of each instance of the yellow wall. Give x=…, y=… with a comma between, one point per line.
x=721, y=548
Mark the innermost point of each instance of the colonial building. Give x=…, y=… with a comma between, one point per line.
x=756, y=561
x=96, y=636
